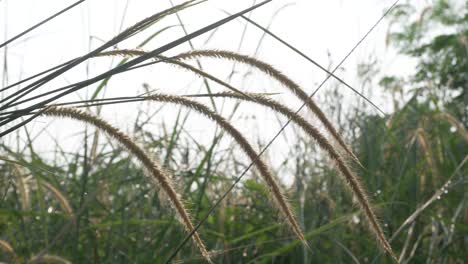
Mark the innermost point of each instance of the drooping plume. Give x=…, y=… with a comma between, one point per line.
x=153, y=168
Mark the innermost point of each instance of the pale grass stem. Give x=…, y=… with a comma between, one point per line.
x=22, y=186
x=6, y=247
x=49, y=259
x=63, y=201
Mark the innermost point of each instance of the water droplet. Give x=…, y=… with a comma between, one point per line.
x=50, y=210
x=356, y=219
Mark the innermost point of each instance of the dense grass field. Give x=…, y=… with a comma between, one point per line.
x=349, y=184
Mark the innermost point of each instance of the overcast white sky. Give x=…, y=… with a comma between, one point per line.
x=324, y=30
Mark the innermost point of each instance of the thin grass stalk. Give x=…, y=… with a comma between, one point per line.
x=141, y=25
x=153, y=168
x=63, y=201
x=278, y=195
x=6, y=247
x=22, y=186
x=427, y=152
x=126, y=52
x=350, y=178
x=49, y=259
x=40, y=23
x=431, y=200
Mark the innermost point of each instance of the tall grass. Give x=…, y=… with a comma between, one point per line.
x=280, y=201
x=255, y=63
x=93, y=205
x=157, y=174
x=349, y=176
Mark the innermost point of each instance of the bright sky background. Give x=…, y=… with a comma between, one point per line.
x=324, y=30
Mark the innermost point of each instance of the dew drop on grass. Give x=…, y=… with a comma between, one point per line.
x=356, y=219
x=193, y=187
x=50, y=210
